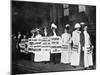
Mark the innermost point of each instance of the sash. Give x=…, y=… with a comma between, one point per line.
x=75, y=48
x=89, y=50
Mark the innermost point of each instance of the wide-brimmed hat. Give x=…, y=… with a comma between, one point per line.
x=77, y=25
x=53, y=26
x=82, y=23
x=67, y=25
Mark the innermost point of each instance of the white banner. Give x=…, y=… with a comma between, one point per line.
x=23, y=45
x=45, y=42
x=34, y=44
x=56, y=44
x=50, y=44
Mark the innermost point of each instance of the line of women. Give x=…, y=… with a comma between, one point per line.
x=77, y=48
x=80, y=54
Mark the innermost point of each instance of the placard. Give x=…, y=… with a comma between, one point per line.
x=65, y=48
x=23, y=45
x=45, y=44
x=56, y=44
x=34, y=44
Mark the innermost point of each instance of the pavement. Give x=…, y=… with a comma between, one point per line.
x=24, y=66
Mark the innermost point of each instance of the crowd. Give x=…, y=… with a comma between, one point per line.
x=77, y=48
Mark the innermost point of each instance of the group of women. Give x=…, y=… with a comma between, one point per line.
x=77, y=48
x=80, y=54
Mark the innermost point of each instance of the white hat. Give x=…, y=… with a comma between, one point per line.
x=37, y=29
x=53, y=26
x=67, y=25
x=82, y=23
x=77, y=25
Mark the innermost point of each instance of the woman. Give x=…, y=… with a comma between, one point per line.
x=54, y=57
x=33, y=33
x=75, y=54
x=66, y=37
x=88, y=48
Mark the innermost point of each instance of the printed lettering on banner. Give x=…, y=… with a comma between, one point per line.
x=45, y=44
x=55, y=44
x=34, y=44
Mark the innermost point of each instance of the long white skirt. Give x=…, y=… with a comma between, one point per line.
x=65, y=55
x=75, y=57
x=88, y=59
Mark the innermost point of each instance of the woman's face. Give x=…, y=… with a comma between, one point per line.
x=78, y=29
x=85, y=28
x=38, y=32
x=65, y=31
x=24, y=36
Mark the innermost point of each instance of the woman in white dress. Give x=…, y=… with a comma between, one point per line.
x=75, y=53
x=66, y=47
x=88, y=59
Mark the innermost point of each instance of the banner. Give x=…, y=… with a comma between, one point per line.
x=65, y=48
x=34, y=44
x=56, y=44
x=45, y=44
x=23, y=45
x=50, y=44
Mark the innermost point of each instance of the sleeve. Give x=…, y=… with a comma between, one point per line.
x=62, y=38
x=89, y=39
x=73, y=35
x=70, y=40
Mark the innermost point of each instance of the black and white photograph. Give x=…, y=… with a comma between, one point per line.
x=52, y=37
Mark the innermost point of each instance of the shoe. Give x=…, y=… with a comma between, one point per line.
x=74, y=66
x=91, y=67
x=86, y=68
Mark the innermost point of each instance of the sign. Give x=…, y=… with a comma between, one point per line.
x=65, y=48
x=55, y=43
x=34, y=44
x=50, y=44
x=45, y=44
x=23, y=45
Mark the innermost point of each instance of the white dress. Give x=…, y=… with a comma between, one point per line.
x=66, y=48
x=75, y=52
x=88, y=60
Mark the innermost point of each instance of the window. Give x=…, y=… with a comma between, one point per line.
x=66, y=9
x=82, y=8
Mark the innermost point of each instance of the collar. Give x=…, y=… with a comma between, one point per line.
x=78, y=31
